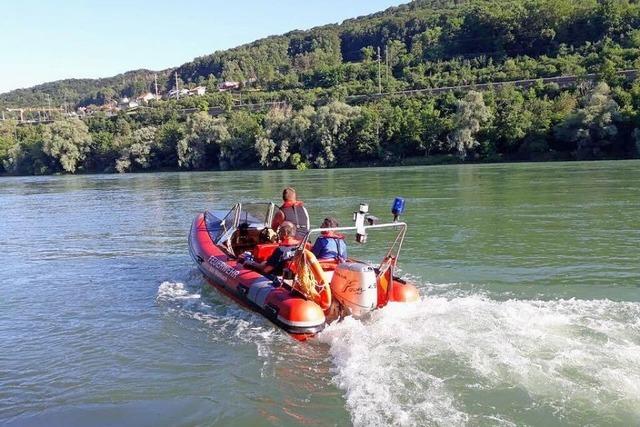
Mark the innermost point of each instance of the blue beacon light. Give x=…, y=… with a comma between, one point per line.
x=398, y=208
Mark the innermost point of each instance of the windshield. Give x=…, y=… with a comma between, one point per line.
x=219, y=222
x=256, y=215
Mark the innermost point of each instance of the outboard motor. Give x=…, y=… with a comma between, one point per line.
x=354, y=285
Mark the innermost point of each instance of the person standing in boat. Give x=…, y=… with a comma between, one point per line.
x=293, y=211
x=285, y=251
x=330, y=246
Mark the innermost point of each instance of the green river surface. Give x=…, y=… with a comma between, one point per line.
x=529, y=277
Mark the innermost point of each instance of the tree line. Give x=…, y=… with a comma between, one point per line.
x=591, y=121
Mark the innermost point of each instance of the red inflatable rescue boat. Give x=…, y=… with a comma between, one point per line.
x=311, y=292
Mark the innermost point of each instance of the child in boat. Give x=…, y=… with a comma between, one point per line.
x=285, y=251
x=330, y=246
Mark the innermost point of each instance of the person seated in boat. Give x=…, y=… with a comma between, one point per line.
x=292, y=210
x=285, y=251
x=330, y=246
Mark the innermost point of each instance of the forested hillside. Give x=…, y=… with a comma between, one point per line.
x=318, y=123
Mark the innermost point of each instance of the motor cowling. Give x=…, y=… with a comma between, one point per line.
x=354, y=285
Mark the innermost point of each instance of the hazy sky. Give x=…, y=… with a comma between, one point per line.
x=42, y=41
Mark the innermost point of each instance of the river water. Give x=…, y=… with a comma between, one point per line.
x=530, y=309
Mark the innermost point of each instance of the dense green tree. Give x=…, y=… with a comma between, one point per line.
x=593, y=126
x=365, y=143
x=137, y=154
x=202, y=142
x=239, y=149
x=331, y=127
x=104, y=152
x=7, y=141
x=273, y=147
x=66, y=143
x=27, y=157
x=512, y=120
x=536, y=141
x=166, y=148
x=105, y=95
x=470, y=115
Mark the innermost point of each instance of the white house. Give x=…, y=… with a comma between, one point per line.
x=145, y=97
x=181, y=92
x=198, y=91
x=127, y=103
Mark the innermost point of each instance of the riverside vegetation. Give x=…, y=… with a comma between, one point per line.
x=318, y=123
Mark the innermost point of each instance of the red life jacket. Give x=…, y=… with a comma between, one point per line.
x=289, y=241
x=333, y=235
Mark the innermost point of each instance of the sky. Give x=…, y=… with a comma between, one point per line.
x=47, y=40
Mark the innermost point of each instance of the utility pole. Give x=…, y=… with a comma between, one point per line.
x=379, y=77
x=177, y=88
x=377, y=124
x=155, y=77
x=387, y=63
x=49, y=105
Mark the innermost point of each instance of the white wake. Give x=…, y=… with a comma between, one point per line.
x=472, y=360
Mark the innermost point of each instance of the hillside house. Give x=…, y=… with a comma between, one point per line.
x=145, y=98
x=127, y=103
x=198, y=91
x=172, y=93
x=224, y=86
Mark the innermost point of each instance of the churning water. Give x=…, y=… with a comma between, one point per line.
x=530, y=309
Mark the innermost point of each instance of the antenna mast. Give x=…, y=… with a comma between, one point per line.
x=177, y=88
